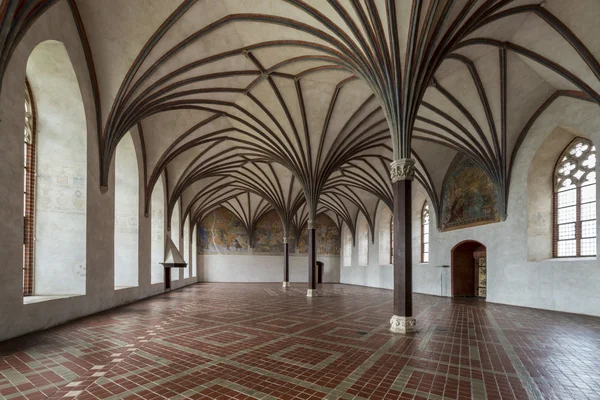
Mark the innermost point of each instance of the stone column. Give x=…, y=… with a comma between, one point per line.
x=286, y=263
x=312, y=260
x=402, y=174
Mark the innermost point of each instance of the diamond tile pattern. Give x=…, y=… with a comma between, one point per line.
x=260, y=341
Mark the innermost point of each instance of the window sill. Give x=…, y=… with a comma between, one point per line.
x=39, y=299
x=124, y=287
x=569, y=259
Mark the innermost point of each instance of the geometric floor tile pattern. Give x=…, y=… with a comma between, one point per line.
x=261, y=341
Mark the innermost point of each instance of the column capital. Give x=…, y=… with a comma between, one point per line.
x=312, y=224
x=402, y=324
x=403, y=169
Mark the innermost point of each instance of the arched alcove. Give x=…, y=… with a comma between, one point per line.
x=347, y=245
x=384, y=229
x=194, y=260
x=61, y=186
x=186, y=247
x=540, y=193
x=126, y=214
x=175, y=229
x=362, y=236
x=158, y=232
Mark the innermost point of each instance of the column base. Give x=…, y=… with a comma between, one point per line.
x=286, y=284
x=402, y=324
x=311, y=293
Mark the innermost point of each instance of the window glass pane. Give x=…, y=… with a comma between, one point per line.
x=588, y=193
x=590, y=178
x=426, y=229
x=426, y=247
x=588, y=211
x=588, y=229
x=567, y=214
x=566, y=248
x=426, y=238
x=426, y=257
x=567, y=198
x=566, y=231
x=588, y=247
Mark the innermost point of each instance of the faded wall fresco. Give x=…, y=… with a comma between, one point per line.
x=61, y=189
x=222, y=232
x=268, y=234
x=469, y=197
x=328, y=237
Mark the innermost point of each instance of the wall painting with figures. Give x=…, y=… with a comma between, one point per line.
x=469, y=197
x=223, y=233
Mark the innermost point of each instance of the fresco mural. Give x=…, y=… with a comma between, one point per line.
x=469, y=197
x=268, y=234
x=328, y=237
x=223, y=233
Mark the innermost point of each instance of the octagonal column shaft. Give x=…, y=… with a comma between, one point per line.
x=286, y=263
x=402, y=174
x=312, y=260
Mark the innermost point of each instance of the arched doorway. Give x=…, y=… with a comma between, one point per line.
x=469, y=270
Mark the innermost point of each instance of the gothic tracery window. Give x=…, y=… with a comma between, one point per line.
x=28, y=193
x=425, y=233
x=574, y=233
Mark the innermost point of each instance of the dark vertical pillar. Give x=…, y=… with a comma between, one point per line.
x=286, y=263
x=402, y=174
x=402, y=248
x=312, y=260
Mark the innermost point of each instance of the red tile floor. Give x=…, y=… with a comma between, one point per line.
x=259, y=341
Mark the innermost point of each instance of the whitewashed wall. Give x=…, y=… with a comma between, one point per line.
x=60, y=207
x=127, y=214
x=16, y=317
x=262, y=268
x=569, y=285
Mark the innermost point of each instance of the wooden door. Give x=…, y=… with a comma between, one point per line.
x=463, y=276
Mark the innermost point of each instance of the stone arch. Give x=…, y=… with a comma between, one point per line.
x=62, y=139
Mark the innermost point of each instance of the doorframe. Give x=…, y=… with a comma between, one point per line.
x=452, y=261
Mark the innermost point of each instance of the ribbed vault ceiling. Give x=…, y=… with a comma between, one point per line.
x=300, y=106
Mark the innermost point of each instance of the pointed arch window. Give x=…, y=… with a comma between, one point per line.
x=28, y=192
x=425, y=233
x=574, y=233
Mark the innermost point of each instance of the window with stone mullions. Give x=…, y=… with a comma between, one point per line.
x=28, y=192
x=575, y=201
x=425, y=233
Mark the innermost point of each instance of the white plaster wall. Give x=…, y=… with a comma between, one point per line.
x=60, y=247
x=126, y=214
x=194, y=255
x=261, y=268
x=175, y=237
x=158, y=230
x=186, y=247
x=568, y=285
x=17, y=318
